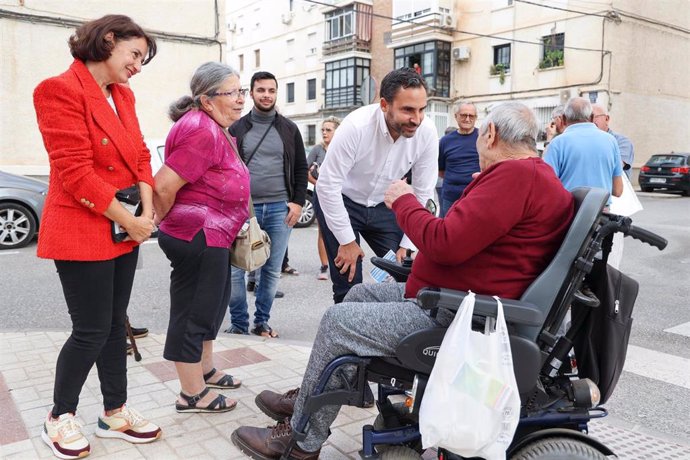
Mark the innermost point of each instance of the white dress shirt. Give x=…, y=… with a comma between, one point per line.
x=362, y=162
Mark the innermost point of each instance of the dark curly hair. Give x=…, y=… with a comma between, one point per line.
x=89, y=44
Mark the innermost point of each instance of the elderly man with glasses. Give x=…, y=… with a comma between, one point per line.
x=457, y=155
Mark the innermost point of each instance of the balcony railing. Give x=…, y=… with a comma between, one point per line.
x=349, y=44
x=422, y=27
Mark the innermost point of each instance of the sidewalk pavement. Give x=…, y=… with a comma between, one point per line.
x=27, y=363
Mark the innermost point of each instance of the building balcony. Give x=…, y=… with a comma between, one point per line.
x=432, y=26
x=346, y=45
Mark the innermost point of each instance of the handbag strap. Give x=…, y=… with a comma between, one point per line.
x=237, y=154
x=251, y=155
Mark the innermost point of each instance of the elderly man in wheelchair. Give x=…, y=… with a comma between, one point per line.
x=504, y=237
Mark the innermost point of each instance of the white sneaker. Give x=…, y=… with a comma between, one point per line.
x=63, y=435
x=129, y=425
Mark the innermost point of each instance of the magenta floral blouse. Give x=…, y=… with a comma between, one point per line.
x=216, y=195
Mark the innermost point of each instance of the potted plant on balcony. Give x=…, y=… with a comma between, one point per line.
x=500, y=70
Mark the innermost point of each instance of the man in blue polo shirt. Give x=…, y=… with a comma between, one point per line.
x=585, y=156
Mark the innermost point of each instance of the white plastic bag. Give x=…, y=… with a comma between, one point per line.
x=471, y=404
x=627, y=204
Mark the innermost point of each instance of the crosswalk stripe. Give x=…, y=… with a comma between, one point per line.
x=658, y=366
x=681, y=329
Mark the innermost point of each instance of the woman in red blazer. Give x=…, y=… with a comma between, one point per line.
x=90, y=130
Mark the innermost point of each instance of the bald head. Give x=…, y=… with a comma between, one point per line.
x=578, y=110
x=600, y=117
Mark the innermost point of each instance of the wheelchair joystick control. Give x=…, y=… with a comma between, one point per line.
x=407, y=260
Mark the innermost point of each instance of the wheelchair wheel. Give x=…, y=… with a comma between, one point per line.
x=558, y=448
x=400, y=453
x=403, y=419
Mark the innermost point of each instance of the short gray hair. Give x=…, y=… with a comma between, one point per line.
x=604, y=111
x=578, y=110
x=516, y=124
x=458, y=104
x=206, y=80
x=558, y=111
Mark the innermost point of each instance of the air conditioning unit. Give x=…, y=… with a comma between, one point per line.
x=461, y=53
x=447, y=21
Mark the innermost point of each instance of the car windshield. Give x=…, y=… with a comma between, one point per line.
x=657, y=160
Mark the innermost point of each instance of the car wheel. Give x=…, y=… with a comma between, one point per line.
x=17, y=226
x=308, y=213
x=686, y=192
x=646, y=189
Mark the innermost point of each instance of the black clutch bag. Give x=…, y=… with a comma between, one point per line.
x=130, y=199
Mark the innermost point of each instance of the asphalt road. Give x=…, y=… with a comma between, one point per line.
x=31, y=299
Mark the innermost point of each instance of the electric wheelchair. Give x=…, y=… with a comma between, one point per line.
x=556, y=402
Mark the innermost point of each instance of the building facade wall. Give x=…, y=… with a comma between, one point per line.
x=382, y=55
x=34, y=51
x=623, y=62
x=289, y=43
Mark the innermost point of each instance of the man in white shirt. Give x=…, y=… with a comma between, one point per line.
x=374, y=146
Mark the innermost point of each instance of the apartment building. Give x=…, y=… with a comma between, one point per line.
x=622, y=54
x=320, y=52
x=284, y=38
x=34, y=37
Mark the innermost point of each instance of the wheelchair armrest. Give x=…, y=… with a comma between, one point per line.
x=515, y=311
x=399, y=272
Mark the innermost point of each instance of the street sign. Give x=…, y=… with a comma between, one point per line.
x=367, y=91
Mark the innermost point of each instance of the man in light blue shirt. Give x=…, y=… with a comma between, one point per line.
x=585, y=156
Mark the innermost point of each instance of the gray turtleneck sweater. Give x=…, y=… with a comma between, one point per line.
x=266, y=166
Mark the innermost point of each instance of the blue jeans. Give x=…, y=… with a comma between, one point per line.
x=271, y=218
x=378, y=227
x=445, y=206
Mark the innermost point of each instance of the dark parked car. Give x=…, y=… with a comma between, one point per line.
x=668, y=171
x=21, y=205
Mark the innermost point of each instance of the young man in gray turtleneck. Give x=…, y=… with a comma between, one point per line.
x=272, y=147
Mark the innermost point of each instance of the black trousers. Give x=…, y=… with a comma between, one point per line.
x=199, y=295
x=97, y=294
x=378, y=227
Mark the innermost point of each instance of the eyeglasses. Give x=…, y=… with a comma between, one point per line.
x=467, y=115
x=238, y=93
x=600, y=115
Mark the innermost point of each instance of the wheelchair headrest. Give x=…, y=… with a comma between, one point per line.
x=589, y=202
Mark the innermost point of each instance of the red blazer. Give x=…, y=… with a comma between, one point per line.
x=93, y=153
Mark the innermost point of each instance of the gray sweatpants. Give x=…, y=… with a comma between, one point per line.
x=371, y=321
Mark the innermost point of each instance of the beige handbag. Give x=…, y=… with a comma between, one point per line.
x=252, y=246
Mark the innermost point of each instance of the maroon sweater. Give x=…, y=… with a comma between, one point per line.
x=497, y=238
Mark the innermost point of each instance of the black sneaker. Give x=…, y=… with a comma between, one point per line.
x=139, y=332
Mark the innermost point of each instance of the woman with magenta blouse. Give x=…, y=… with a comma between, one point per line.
x=201, y=201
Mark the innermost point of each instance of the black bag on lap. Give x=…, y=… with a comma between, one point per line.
x=602, y=342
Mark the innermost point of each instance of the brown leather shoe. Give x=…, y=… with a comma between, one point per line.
x=269, y=443
x=275, y=405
